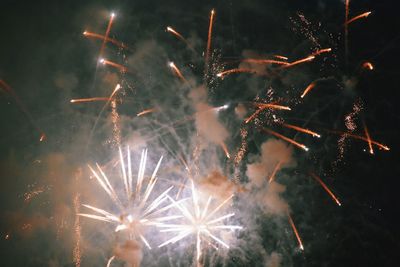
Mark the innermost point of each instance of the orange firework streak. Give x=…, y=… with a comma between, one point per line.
x=225, y=149
x=308, y=89
x=103, y=45
x=363, y=15
x=238, y=70
x=371, y=150
x=297, y=62
x=277, y=167
x=368, y=65
x=287, y=139
x=177, y=34
x=346, y=29
x=177, y=72
x=102, y=37
x=382, y=146
x=281, y=57
x=121, y=68
x=297, y=128
x=264, y=61
x=210, y=28
x=295, y=232
x=321, y=51
x=7, y=88
x=262, y=106
x=92, y=99
x=146, y=111
x=326, y=188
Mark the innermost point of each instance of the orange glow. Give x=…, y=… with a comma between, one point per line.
x=238, y=70
x=295, y=232
x=281, y=57
x=297, y=62
x=363, y=15
x=121, y=68
x=308, y=89
x=102, y=37
x=287, y=139
x=225, y=149
x=297, y=128
x=326, y=188
x=177, y=71
x=368, y=65
x=146, y=111
x=277, y=167
x=210, y=28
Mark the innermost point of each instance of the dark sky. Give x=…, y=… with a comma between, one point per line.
x=47, y=61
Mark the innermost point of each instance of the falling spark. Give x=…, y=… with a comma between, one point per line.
x=297, y=128
x=277, y=167
x=297, y=62
x=210, y=28
x=138, y=211
x=368, y=65
x=371, y=150
x=92, y=99
x=321, y=51
x=223, y=146
x=102, y=37
x=238, y=70
x=28, y=196
x=264, y=106
x=363, y=15
x=121, y=68
x=264, y=61
x=103, y=45
x=201, y=223
x=295, y=232
x=177, y=34
x=326, y=188
x=146, y=111
x=382, y=146
x=281, y=57
x=308, y=89
x=287, y=139
x=346, y=30
x=177, y=71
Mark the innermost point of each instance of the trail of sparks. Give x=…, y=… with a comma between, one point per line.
x=303, y=130
x=264, y=106
x=208, y=50
x=300, y=61
x=146, y=111
x=177, y=72
x=371, y=150
x=238, y=70
x=138, y=211
x=346, y=30
x=321, y=51
x=281, y=57
x=308, y=89
x=287, y=139
x=363, y=15
x=273, y=174
x=368, y=65
x=7, y=88
x=382, y=146
x=295, y=231
x=326, y=188
x=201, y=223
x=225, y=149
x=264, y=61
x=103, y=45
x=91, y=99
x=120, y=67
x=102, y=37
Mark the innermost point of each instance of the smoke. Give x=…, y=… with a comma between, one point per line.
x=130, y=252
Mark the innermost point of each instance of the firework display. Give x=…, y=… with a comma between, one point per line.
x=201, y=145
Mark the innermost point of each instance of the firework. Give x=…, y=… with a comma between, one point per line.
x=295, y=231
x=200, y=221
x=238, y=70
x=277, y=167
x=363, y=15
x=368, y=65
x=146, y=111
x=300, y=61
x=287, y=139
x=264, y=106
x=381, y=146
x=208, y=50
x=102, y=37
x=264, y=61
x=326, y=188
x=138, y=212
x=297, y=128
x=120, y=67
x=177, y=72
x=103, y=45
x=321, y=51
x=91, y=99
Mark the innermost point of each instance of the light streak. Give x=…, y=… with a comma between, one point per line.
x=238, y=70
x=308, y=89
x=281, y=57
x=146, y=111
x=264, y=61
x=381, y=146
x=264, y=106
x=103, y=45
x=368, y=65
x=371, y=150
x=326, y=188
x=225, y=149
x=303, y=130
x=300, y=61
x=363, y=15
x=295, y=231
x=321, y=51
x=287, y=139
x=177, y=72
x=121, y=68
x=208, y=50
x=91, y=99
x=102, y=37
x=277, y=167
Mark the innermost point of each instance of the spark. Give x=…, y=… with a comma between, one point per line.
x=326, y=188
x=277, y=167
x=264, y=106
x=321, y=51
x=238, y=70
x=103, y=45
x=363, y=15
x=308, y=89
x=102, y=37
x=200, y=222
x=287, y=139
x=121, y=68
x=295, y=231
x=381, y=146
x=138, y=212
x=371, y=150
x=177, y=34
x=177, y=71
x=264, y=61
x=297, y=128
x=91, y=99
x=346, y=29
x=210, y=28
x=146, y=111
x=368, y=65
x=281, y=57
x=300, y=61
x=225, y=149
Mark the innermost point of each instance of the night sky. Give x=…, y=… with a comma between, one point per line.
x=47, y=61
